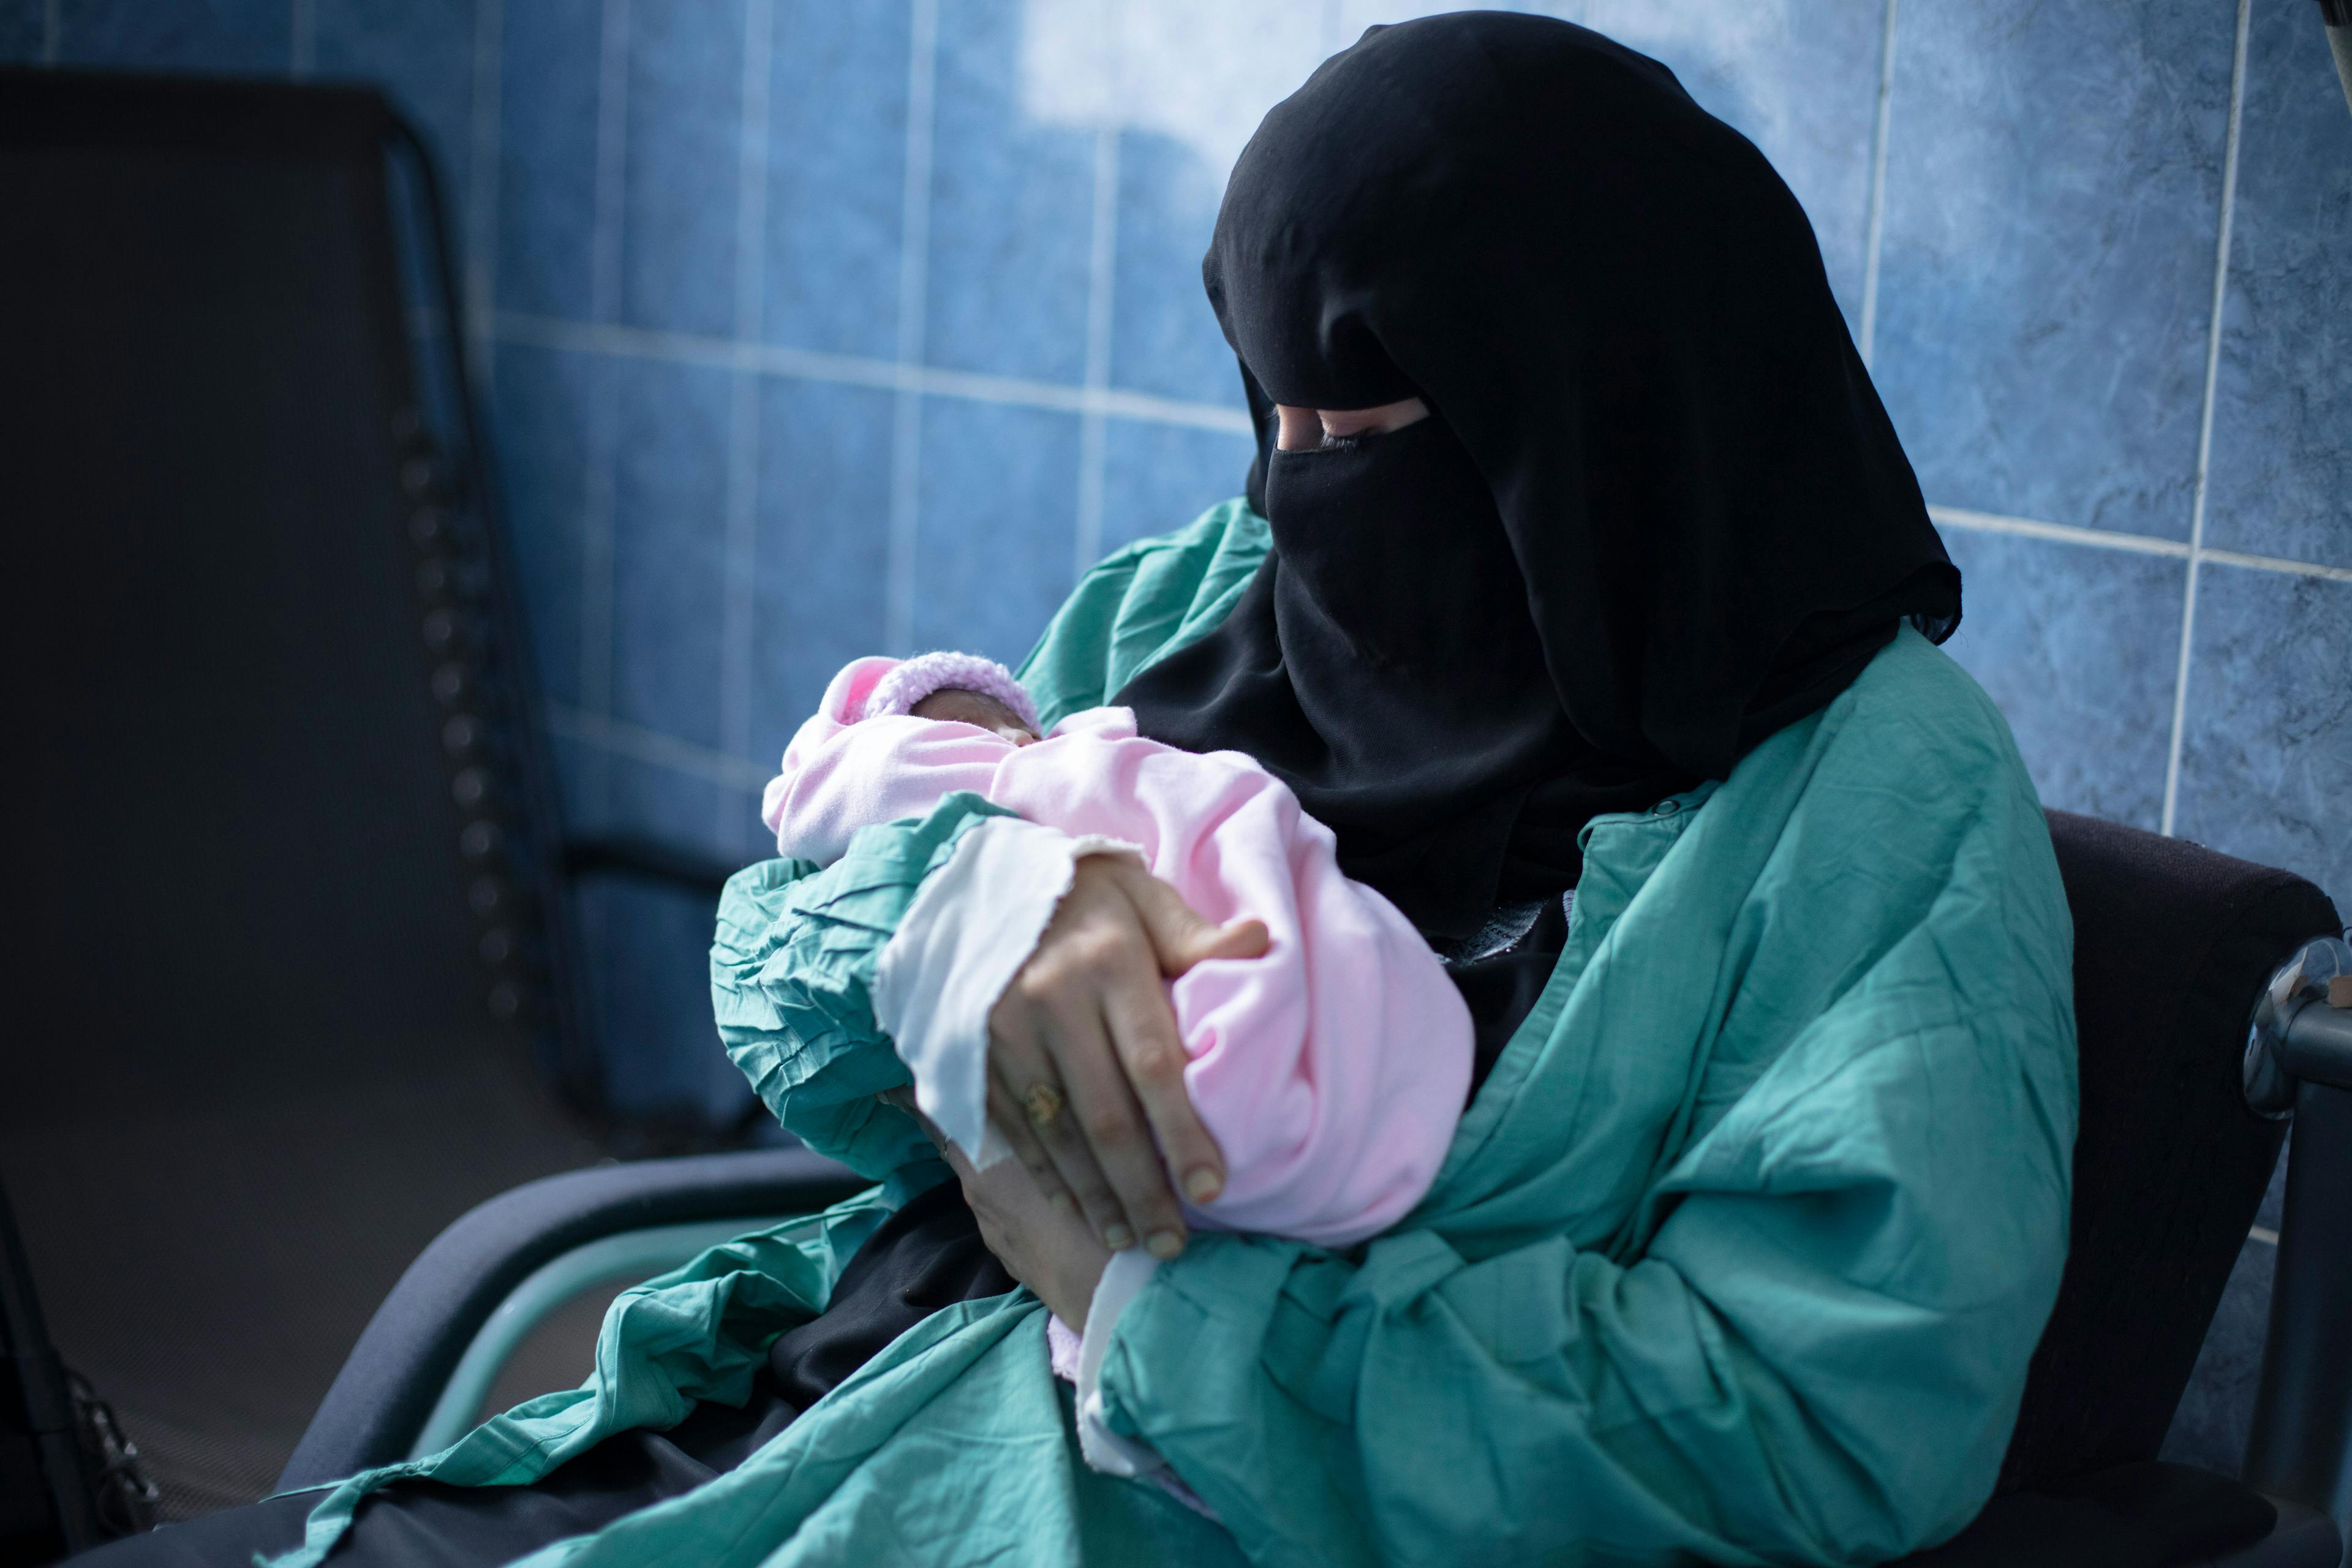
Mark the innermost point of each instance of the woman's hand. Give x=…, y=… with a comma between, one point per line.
x=1046, y=1245
x=1085, y=1066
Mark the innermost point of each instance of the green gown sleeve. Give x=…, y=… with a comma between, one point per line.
x=1740, y=1253
x=1140, y=605
x=792, y=973
x=791, y=965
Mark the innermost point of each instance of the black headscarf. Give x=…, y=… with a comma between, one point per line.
x=1657, y=513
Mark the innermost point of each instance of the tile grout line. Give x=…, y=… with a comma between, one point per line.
x=2061, y=533
x=598, y=548
x=612, y=163
x=804, y=364
x=640, y=744
x=1875, y=226
x=482, y=185
x=914, y=284
x=2205, y=421
x=1102, y=260
x=302, y=39
x=735, y=640
x=53, y=31
x=596, y=571
x=2209, y=556
x=853, y=370
x=808, y=364
x=2133, y=543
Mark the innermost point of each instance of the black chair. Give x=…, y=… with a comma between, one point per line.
x=2175, y=946
x=293, y=981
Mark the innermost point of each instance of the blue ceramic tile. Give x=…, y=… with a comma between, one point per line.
x=998, y=511
x=549, y=409
x=249, y=37
x=823, y=548
x=742, y=835
x=549, y=61
x=648, y=951
x=1802, y=82
x=2216, y=1408
x=581, y=781
x=1164, y=337
x=836, y=177
x=1011, y=204
x=24, y=32
x=647, y=800
x=2079, y=646
x=1345, y=20
x=1190, y=89
x=684, y=165
x=2267, y=755
x=2282, y=476
x=421, y=52
x=1157, y=477
x=2053, y=198
x=669, y=515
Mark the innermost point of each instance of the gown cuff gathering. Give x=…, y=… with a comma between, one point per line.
x=967, y=933
x=1109, y=1452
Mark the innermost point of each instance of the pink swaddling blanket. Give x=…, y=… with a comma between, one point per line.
x=1331, y=1071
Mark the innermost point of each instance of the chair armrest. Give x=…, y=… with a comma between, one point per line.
x=648, y=859
x=388, y=1385
x=2300, y=1443
x=2303, y=1538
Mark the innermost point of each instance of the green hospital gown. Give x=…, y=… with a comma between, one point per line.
x=1738, y=1254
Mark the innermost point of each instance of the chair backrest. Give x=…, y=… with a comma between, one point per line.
x=285, y=880
x=263, y=668
x=2172, y=944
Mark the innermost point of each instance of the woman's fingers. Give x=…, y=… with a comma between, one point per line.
x=1095, y=1131
x=1085, y=1053
x=1117, y=1132
x=1026, y=1089
x=1143, y=1031
x=1013, y=1120
x=1181, y=935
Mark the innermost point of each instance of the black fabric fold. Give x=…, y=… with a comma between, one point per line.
x=927, y=1255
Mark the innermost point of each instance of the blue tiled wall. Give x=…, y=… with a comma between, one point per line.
x=819, y=326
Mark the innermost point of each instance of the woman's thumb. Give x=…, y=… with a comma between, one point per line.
x=1182, y=936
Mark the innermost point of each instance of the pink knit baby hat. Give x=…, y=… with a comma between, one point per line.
x=915, y=678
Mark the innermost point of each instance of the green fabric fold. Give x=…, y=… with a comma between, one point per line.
x=791, y=975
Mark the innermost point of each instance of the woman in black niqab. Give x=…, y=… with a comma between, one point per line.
x=1657, y=511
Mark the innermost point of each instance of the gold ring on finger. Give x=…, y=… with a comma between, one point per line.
x=1044, y=1103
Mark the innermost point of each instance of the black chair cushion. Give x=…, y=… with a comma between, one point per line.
x=2152, y=1515
x=2172, y=944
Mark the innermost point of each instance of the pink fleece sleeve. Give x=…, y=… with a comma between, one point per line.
x=841, y=774
x=1331, y=1071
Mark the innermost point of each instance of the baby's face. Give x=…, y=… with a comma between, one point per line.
x=973, y=708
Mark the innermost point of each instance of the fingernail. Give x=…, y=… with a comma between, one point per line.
x=1202, y=1184
x=1063, y=1204
x=1118, y=1237
x=1164, y=1245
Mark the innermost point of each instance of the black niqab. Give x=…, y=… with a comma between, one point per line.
x=1658, y=513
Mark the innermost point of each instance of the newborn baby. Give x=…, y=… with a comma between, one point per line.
x=1331, y=1071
